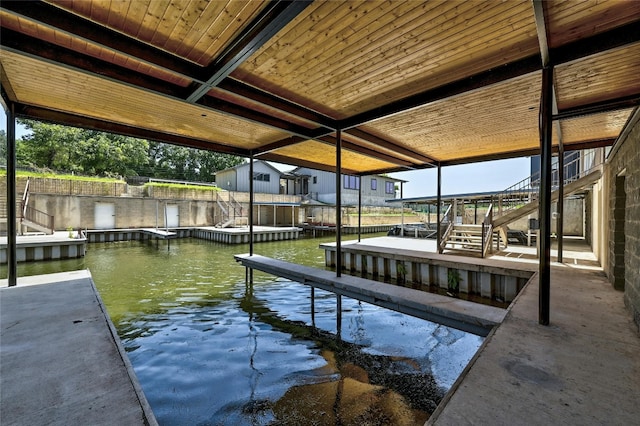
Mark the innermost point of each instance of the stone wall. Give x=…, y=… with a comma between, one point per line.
x=622, y=176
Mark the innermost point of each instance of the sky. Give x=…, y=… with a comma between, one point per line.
x=468, y=178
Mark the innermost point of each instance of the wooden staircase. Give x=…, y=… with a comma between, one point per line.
x=469, y=239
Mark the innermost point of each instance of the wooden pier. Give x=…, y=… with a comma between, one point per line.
x=460, y=314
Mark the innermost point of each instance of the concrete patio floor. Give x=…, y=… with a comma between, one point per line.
x=582, y=369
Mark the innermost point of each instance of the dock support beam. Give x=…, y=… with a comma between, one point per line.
x=439, y=202
x=339, y=315
x=338, y=203
x=250, y=216
x=12, y=245
x=360, y=209
x=544, y=214
x=560, y=208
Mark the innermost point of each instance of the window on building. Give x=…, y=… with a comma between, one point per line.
x=315, y=179
x=262, y=177
x=374, y=185
x=351, y=182
x=389, y=188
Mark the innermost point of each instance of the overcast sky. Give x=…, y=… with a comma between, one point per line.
x=478, y=177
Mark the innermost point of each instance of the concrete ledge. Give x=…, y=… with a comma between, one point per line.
x=467, y=316
x=61, y=362
x=582, y=369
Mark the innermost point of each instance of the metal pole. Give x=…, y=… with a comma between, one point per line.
x=339, y=315
x=251, y=203
x=338, y=203
x=359, y=209
x=313, y=307
x=560, y=208
x=12, y=244
x=475, y=213
x=544, y=214
x=439, y=201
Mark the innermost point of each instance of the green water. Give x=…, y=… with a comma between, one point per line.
x=208, y=350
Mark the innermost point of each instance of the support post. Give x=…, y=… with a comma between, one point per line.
x=250, y=218
x=544, y=214
x=439, y=202
x=313, y=307
x=338, y=203
x=560, y=208
x=360, y=210
x=339, y=315
x=12, y=244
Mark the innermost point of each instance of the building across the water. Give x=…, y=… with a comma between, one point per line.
x=310, y=184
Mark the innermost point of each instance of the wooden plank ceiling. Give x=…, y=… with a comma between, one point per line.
x=410, y=84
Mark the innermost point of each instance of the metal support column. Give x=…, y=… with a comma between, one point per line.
x=338, y=203
x=439, y=202
x=250, y=218
x=12, y=244
x=360, y=209
x=560, y=208
x=544, y=213
x=339, y=315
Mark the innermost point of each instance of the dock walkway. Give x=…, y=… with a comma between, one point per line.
x=582, y=369
x=467, y=316
x=61, y=362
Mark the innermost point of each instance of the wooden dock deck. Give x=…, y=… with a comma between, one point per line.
x=467, y=316
x=61, y=362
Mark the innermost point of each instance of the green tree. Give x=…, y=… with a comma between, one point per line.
x=3, y=147
x=178, y=162
x=70, y=149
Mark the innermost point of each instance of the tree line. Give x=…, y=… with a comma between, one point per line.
x=53, y=147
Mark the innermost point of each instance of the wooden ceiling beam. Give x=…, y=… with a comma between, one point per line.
x=268, y=23
x=37, y=113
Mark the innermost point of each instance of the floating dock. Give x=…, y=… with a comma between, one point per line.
x=31, y=248
x=415, y=261
x=467, y=316
x=241, y=235
x=61, y=361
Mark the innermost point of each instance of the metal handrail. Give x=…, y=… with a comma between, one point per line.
x=526, y=190
x=36, y=216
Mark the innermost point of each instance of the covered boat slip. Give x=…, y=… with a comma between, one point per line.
x=61, y=361
x=359, y=88
x=350, y=87
x=467, y=316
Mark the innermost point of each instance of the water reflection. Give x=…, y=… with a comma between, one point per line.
x=208, y=351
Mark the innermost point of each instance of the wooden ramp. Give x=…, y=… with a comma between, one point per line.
x=460, y=314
